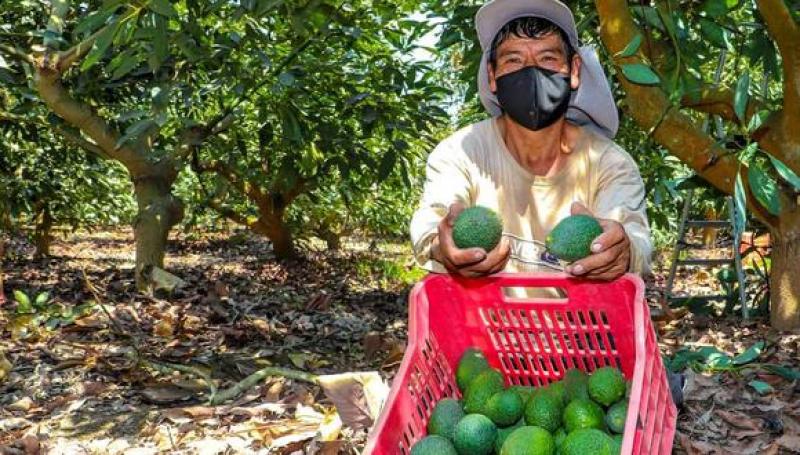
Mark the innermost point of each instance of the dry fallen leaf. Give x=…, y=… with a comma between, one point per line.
x=24, y=404
x=5, y=366
x=395, y=355
x=358, y=397
x=373, y=341
x=790, y=442
x=697, y=447
x=165, y=280
x=165, y=394
x=739, y=420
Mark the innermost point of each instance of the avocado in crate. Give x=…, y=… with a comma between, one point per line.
x=538, y=421
x=488, y=373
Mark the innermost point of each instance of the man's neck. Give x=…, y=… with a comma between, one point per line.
x=541, y=152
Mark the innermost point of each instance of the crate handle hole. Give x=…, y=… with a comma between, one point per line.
x=548, y=294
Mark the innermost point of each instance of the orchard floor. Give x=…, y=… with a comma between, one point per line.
x=71, y=383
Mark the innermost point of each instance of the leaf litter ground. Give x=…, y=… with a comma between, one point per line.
x=70, y=383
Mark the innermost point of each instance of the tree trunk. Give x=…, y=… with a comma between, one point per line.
x=333, y=241
x=158, y=211
x=785, y=274
x=281, y=238
x=42, y=236
x=2, y=259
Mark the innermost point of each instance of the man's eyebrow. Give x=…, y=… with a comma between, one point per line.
x=557, y=49
x=505, y=52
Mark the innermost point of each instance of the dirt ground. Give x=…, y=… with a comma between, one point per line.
x=114, y=371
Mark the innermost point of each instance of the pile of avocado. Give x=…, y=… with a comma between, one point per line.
x=578, y=415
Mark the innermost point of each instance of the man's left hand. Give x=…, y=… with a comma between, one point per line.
x=611, y=251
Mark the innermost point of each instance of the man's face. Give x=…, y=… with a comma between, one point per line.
x=547, y=52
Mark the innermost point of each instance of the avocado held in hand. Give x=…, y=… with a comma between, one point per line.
x=572, y=237
x=477, y=227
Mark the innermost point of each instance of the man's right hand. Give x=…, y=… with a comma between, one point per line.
x=470, y=262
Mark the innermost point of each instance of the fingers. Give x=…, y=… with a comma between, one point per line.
x=456, y=256
x=613, y=233
x=495, y=261
x=613, y=271
x=578, y=208
x=453, y=212
x=595, y=261
x=452, y=256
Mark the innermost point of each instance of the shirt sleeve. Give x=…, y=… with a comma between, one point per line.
x=446, y=182
x=621, y=197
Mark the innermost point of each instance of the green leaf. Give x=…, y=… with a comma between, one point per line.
x=740, y=204
x=712, y=32
x=100, y=46
x=93, y=21
x=782, y=371
x=741, y=96
x=785, y=173
x=134, y=131
x=632, y=47
x=715, y=8
x=761, y=387
x=757, y=120
x=639, y=73
x=291, y=125
x=124, y=63
x=750, y=354
x=683, y=358
x=746, y=156
x=649, y=14
x=764, y=188
x=387, y=165
x=718, y=360
x=160, y=44
x=666, y=18
x=162, y=7
x=23, y=302
x=286, y=79
x=41, y=299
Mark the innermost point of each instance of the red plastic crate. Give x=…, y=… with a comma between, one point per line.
x=533, y=342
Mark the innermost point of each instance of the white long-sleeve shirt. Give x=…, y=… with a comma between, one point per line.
x=474, y=166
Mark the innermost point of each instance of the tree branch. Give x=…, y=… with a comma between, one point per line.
x=48, y=83
x=652, y=110
x=55, y=26
x=68, y=57
x=253, y=224
x=81, y=142
x=253, y=192
x=15, y=53
x=296, y=190
x=66, y=134
x=194, y=136
x=784, y=30
x=274, y=73
x=718, y=101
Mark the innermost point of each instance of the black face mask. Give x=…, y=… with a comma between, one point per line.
x=534, y=97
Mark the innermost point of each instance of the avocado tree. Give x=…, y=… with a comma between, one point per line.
x=48, y=183
x=350, y=113
x=665, y=57
x=148, y=83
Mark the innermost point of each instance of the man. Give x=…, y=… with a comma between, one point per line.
x=546, y=153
